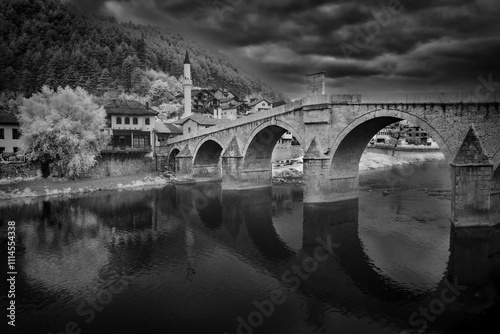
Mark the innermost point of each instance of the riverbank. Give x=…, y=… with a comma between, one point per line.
x=37, y=186
x=292, y=171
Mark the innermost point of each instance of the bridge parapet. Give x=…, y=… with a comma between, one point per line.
x=418, y=97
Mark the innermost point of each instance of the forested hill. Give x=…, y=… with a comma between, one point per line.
x=45, y=42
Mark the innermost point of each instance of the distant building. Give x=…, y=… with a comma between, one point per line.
x=164, y=131
x=193, y=124
x=259, y=105
x=10, y=133
x=223, y=93
x=384, y=136
x=204, y=98
x=133, y=127
x=233, y=112
x=416, y=135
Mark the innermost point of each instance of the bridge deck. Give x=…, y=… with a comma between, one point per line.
x=466, y=97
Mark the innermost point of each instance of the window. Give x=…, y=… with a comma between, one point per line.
x=16, y=149
x=141, y=141
x=135, y=120
x=1, y=134
x=189, y=130
x=16, y=134
x=147, y=121
x=118, y=120
x=127, y=120
x=2, y=149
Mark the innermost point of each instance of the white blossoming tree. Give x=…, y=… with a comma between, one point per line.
x=62, y=129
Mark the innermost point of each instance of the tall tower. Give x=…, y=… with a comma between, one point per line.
x=188, y=83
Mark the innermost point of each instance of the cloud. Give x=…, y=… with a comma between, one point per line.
x=424, y=44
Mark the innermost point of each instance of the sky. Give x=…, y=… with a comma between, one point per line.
x=363, y=46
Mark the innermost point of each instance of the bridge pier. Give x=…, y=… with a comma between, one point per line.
x=320, y=187
x=471, y=195
x=184, y=165
x=231, y=172
x=472, y=184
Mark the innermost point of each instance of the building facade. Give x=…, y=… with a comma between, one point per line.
x=259, y=105
x=132, y=126
x=10, y=133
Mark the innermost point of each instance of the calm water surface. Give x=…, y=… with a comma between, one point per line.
x=195, y=259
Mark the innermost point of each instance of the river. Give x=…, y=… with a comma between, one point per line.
x=195, y=259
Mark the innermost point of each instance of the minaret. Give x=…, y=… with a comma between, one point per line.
x=188, y=83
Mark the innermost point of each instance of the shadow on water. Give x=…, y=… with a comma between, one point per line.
x=183, y=248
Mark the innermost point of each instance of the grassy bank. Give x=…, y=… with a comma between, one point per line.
x=53, y=186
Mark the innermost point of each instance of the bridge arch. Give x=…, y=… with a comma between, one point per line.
x=363, y=128
x=207, y=158
x=202, y=146
x=269, y=125
x=348, y=146
x=261, y=142
x=171, y=158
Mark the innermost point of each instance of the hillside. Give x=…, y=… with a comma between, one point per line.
x=44, y=42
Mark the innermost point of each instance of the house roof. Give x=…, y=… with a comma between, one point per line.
x=235, y=106
x=279, y=103
x=186, y=59
x=115, y=107
x=225, y=90
x=167, y=128
x=228, y=100
x=8, y=118
x=200, y=119
x=197, y=91
x=251, y=104
x=204, y=111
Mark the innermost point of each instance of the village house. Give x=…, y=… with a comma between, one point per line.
x=233, y=112
x=203, y=98
x=193, y=124
x=164, y=131
x=133, y=128
x=416, y=135
x=10, y=133
x=224, y=94
x=257, y=105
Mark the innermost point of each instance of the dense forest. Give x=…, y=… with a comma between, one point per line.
x=46, y=42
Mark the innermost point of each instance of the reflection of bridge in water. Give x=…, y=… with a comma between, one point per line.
x=335, y=130
x=348, y=279
x=144, y=229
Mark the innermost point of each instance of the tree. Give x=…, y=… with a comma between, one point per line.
x=159, y=93
x=169, y=111
x=104, y=81
x=62, y=127
x=138, y=82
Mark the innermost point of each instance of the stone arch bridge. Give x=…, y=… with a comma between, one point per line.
x=334, y=131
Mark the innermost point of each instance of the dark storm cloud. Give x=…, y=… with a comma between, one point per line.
x=441, y=43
